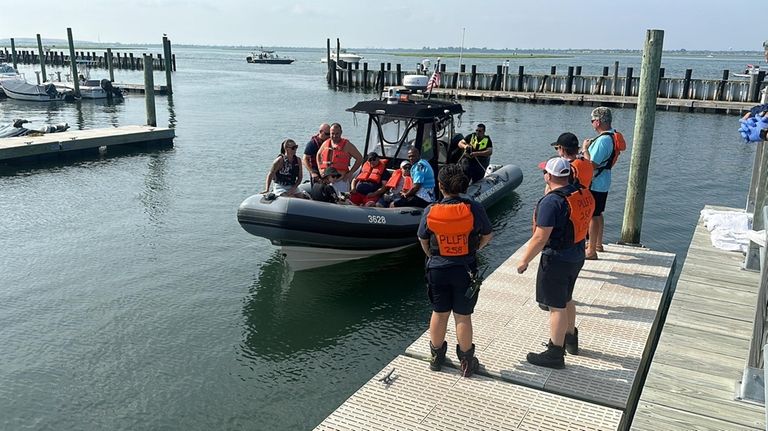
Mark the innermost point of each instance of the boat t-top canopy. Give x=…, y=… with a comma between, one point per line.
x=418, y=110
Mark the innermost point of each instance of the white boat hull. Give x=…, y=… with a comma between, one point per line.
x=19, y=89
x=349, y=58
x=302, y=258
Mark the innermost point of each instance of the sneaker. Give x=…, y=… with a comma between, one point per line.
x=438, y=356
x=572, y=342
x=553, y=357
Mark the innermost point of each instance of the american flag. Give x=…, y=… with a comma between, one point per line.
x=434, y=81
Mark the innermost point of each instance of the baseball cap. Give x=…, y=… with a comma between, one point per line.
x=405, y=163
x=330, y=171
x=567, y=140
x=556, y=166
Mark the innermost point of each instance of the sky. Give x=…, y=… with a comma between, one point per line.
x=497, y=24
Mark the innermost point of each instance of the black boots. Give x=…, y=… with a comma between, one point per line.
x=469, y=363
x=438, y=356
x=572, y=342
x=553, y=357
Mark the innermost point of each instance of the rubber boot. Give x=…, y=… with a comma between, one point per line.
x=469, y=363
x=572, y=342
x=438, y=356
x=553, y=357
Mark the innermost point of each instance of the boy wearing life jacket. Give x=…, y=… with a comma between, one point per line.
x=560, y=224
x=602, y=152
x=450, y=233
x=567, y=146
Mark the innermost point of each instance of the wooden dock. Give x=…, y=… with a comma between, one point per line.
x=618, y=300
x=703, y=348
x=30, y=147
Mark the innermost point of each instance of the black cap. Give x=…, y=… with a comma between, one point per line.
x=567, y=140
x=330, y=171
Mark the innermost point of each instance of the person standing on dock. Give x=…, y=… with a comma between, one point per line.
x=337, y=152
x=561, y=219
x=478, y=148
x=567, y=146
x=600, y=151
x=310, y=150
x=450, y=233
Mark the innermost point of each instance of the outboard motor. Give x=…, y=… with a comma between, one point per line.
x=51, y=91
x=106, y=85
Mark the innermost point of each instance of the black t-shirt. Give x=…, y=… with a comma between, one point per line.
x=323, y=192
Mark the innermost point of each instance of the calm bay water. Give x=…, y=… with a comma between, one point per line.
x=131, y=298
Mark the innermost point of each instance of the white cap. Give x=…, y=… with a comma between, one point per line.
x=405, y=163
x=557, y=166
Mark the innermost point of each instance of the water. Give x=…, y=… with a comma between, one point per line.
x=131, y=298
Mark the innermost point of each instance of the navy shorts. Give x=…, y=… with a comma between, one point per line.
x=447, y=288
x=555, y=281
x=600, y=198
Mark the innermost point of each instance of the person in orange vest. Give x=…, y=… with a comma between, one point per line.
x=450, y=233
x=567, y=146
x=371, y=178
x=400, y=182
x=560, y=223
x=338, y=152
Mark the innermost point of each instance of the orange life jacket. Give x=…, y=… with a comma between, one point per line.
x=580, y=206
x=371, y=173
x=334, y=155
x=452, y=229
x=395, y=178
x=619, y=145
x=582, y=171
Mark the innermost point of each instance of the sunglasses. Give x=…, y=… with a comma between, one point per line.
x=291, y=147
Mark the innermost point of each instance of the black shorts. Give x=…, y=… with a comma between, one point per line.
x=600, y=198
x=447, y=288
x=555, y=281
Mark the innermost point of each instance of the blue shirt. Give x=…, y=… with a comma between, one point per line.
x=423, y=174
x=481, y=226
x=600, y=152
x=552, y=211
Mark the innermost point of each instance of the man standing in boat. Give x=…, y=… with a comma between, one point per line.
x=310, y=150
x=450, y=233
x=337, y=152
x=478, y=148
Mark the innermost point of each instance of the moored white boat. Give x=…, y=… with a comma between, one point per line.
x=348, y=57
x=20, y=89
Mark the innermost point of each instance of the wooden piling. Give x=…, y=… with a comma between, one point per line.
x=643, y=137
x=73, y=62
x=499, y=74
x=569, y=80
x=628, y=82
x=332, y=71
x=520, y=74
x=720, y=91
x=365, y=75
x=133, y=61
x=473, y=77
x=149, y=91
x=399, y=78
x=168, y=65
x=173, y=60
x=42, y=56
x=686, y=83
x=109, y=65
x=13, y=53
x=381, y=79
x=349, y=76
x=753, y=94
x=328, y=72
x=615, y=89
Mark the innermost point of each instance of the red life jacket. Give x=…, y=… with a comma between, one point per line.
x=451, y=226
x=371, y=173
x=619, y=145
x=580, y=206
x=407, y=180
x=334, y=155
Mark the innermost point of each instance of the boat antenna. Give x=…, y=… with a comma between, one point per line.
x=461, y=51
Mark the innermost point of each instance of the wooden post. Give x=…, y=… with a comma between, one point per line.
x=42, y=56
x=349, y=75
x=753, y=95
x=13, y=53
x=687, y=83
x=168, y=65
x=628, y=82
x=720, y=91
x=520, y=73
x=758, y=169
x=109, y=65
x=338, y=50
x=643, y=137
x=332, y=71
x=381, y=79
x=399, y=77
x=73, y=62
x=328, y=58
x=615, y=89
x=569, y=80
x=365, y=75
x=133, y=61
x=149, y=90
x=473, y=77
x=173, y=59
x=160, y=63
x=499, y=75
x=578, y=70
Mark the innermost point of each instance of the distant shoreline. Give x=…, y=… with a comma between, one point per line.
x=475, y=55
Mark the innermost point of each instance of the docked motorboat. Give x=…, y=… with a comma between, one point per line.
x=751, y=69
x=313, y=234
x=91, y=88
x=347, y=57
x=16, y=128
x=20, y=89
x=268, y=57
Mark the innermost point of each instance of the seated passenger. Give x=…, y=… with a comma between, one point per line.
x=401, y=181
x=323, y=190
x=423, y=191
x=372, y=176
x=286, y=172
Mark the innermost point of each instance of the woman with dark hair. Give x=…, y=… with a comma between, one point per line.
x=286, y=172
x=451, y=232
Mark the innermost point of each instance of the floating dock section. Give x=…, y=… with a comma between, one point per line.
x=26, y=148
x=619, y=299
